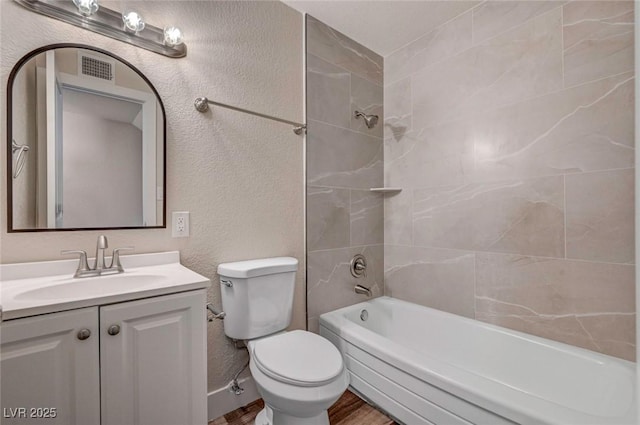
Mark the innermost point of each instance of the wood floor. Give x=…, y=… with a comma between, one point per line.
x=348, y=410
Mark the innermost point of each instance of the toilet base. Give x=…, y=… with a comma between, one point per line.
x=268, y=416
x=262, y=418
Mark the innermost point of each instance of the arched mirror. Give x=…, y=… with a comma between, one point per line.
x=86, y=143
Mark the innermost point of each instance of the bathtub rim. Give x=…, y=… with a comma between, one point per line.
x=475, y=388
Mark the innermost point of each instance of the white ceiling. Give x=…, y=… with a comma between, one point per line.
x=383, y=25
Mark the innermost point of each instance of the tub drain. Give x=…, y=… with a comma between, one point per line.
x=364, y=315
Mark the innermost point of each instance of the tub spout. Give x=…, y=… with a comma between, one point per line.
x=362, y=290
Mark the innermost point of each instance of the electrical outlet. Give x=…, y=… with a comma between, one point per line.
x=180, y=224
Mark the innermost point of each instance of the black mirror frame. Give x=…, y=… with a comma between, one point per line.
x=12, y=76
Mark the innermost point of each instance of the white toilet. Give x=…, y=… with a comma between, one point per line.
x=299, y=374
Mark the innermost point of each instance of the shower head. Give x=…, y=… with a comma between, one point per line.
x=369, y=120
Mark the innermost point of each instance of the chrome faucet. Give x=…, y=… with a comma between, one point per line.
x=100, y=247
x=99, y=266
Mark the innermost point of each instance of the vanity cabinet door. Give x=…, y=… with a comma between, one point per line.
x=153, y=361
x=49, y=369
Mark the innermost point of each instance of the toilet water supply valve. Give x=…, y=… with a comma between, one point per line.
x=234, y=385
x=216, y=314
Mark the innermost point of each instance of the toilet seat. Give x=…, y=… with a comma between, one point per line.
x=298, y=358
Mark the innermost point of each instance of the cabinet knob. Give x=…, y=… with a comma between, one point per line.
x=113, y=330
x=84, y=334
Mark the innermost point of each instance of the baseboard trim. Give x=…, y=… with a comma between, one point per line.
x=222, y=401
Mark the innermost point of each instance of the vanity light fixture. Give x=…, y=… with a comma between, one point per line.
x=86, y=7
x=133, y=21
x=173, y=36
x=128, y=27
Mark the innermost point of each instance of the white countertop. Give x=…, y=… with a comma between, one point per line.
x=28, y=289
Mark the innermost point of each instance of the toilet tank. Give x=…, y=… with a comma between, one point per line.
x=259, y=300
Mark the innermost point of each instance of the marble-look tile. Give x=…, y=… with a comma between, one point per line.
x=367, y=218
x=327, y=218
x=604, y=333
x=335, y=47
x=397, y=109
x=443, y=42
x=330, y=283
x=518, y=64
x=600, y=216
x=519, y=216
x=591, y=305
x=339, y=157
x=398, y=218
x=366, y=97
x=328, y=92
x=585, y=128
x=436, y=156
x=495, y=17
x=438, y=278
x=598, y=40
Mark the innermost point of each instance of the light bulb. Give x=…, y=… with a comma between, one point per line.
x=173, y=36
x=86, y=7
x=133, y=21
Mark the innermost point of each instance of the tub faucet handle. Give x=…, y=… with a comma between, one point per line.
x=358, y=266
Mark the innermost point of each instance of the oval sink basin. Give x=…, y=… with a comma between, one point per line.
x=92, y=286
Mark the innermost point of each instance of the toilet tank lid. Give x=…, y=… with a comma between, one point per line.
x=261, y=267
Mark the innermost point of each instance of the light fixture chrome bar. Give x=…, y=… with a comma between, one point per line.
x=106, y=22
x=202, y=105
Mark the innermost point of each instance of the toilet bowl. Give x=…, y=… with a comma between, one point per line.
x=299, y=374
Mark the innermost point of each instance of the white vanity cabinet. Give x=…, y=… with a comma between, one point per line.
x=153, y=361
x=49, y=369
x=139, y=362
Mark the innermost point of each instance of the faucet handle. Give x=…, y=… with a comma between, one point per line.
x=115, y=259
x=83, y=265
x=358, y=266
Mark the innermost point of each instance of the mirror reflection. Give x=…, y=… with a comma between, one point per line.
x=87, y=143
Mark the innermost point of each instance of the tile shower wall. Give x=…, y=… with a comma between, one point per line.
x=510, y=130
x=344, y=160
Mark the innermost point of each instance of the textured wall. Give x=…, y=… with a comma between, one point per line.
x=241, y=177
x=344, y=160
x=510, y=129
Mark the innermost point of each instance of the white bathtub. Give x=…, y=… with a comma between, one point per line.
x=425, y=366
